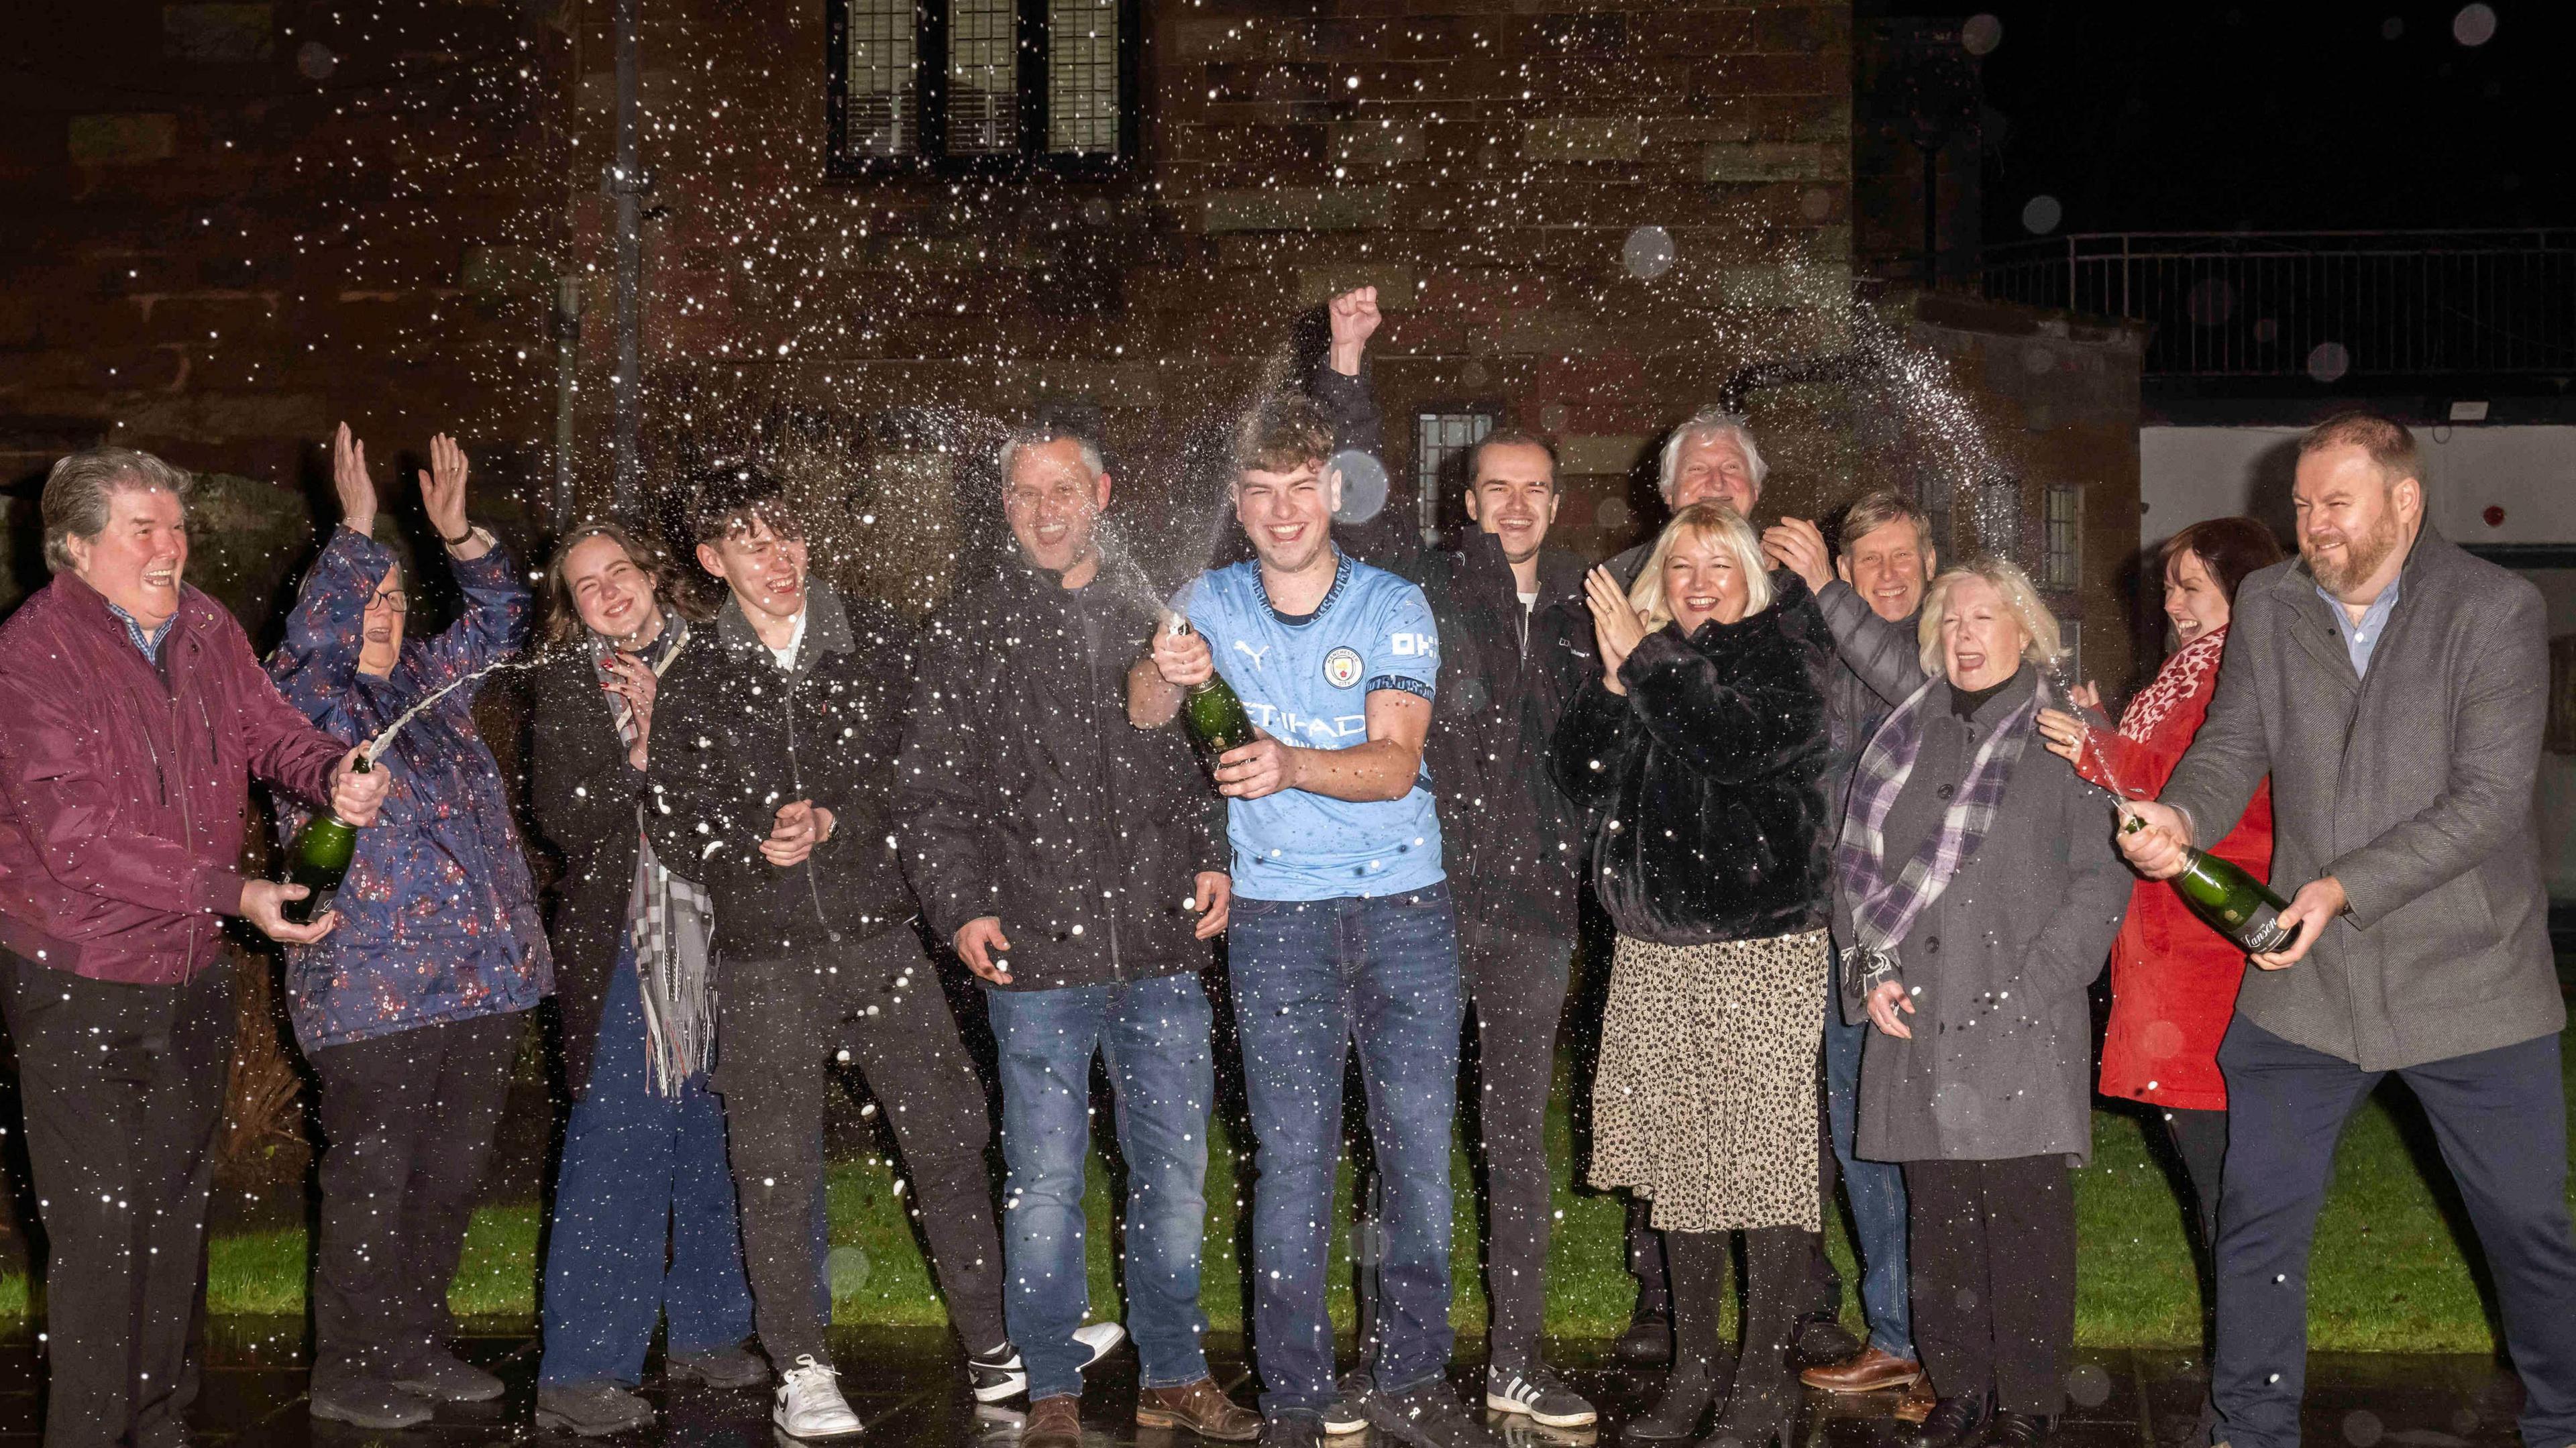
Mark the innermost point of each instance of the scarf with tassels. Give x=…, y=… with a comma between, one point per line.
x=1884, y=906
x=669, y=919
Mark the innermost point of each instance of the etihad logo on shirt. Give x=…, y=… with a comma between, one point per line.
x=1413, y=645
x=1321, y=732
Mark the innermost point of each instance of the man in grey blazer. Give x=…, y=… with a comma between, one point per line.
x=2394, y=689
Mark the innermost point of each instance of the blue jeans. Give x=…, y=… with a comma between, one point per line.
x=1155, y=1037
x=1877, y=1192
x=639, y=1168
x=1312, y=978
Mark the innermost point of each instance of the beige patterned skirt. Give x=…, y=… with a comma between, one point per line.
x=1705, y=1102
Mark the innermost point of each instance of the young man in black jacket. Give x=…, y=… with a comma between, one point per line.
x=1514, y=847
x=772, y=779
x=1076, y=864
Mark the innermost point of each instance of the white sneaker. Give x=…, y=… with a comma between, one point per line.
x=810, y=1405
x=1101, y=1337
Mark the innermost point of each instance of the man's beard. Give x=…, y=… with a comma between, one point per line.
x=2361, y=556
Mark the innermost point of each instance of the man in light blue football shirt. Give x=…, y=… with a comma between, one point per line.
x=1342, y=932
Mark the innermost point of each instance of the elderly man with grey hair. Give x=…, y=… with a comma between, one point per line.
x=132, y=717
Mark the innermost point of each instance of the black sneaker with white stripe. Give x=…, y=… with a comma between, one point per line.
x=1000, y=1374
x=1538, y=1395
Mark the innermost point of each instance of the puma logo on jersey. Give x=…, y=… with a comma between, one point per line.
x=1252, y=653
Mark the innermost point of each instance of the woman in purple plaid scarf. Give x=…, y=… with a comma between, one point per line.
x=1976, y=893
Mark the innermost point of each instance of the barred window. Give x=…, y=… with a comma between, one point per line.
x=978, y=84
x=1440, y=439
x=2062, y=551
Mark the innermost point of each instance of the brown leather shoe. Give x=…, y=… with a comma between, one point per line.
x=1202, y=1407
x=1054, y=1423
x=1917, y=1403
x=1871, y=1370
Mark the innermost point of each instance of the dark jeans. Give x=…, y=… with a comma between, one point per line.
x=1312, y=979
x=643, y=1218
x=1994, y=1277
x=1155, y=1035
x=408, y=1122
x=1875, y=1189
x=123, y=1086
x=781, y=1022
x=2501, y=1119
x=1516, y=983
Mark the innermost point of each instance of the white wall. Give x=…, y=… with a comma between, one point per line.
x=2190, y=473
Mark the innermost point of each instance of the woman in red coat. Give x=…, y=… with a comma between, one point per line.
x=2173, y=978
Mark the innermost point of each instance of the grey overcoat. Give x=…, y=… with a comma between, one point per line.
x=2412, y=786
x=2001, y=1063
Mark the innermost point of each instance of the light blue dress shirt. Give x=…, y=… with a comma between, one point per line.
x=2360, y=638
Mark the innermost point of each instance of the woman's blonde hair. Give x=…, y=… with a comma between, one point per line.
x=1712, y=522
x=2021, y=600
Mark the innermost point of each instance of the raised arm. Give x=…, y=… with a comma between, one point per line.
x=315, y=665
x=1888, y=657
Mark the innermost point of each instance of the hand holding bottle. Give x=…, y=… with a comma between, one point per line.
x=263, y=904
x=2317, y=903
x=1182, y=658
x=2161, y=848
x=358, y=794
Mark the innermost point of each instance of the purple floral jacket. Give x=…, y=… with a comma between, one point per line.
x=438, y=916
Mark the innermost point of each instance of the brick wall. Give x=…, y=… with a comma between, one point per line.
x=229, y=225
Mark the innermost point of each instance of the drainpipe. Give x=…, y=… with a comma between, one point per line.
x=567, y=385
x=628, y=183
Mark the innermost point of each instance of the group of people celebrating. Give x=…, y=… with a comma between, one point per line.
x=1856, y=920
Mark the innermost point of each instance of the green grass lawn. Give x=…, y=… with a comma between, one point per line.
x=2388, y=1274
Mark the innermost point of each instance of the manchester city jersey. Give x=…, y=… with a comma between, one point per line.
x=1306, y=681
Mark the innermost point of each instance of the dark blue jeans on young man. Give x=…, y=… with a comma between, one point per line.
x=1312, y=979
x=1154, y=1035
x=1876, y=1190
x=2500, y=1118
x=640, y=1170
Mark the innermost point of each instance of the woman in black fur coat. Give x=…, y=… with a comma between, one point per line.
x=1698, y=752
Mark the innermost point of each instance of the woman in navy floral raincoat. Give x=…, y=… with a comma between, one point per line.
x=411, y=1010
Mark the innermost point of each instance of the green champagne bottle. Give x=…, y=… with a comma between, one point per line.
x=1216, y=718
x=2234, y=903
x=319, y=861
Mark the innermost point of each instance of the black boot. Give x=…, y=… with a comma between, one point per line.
x=1764, y=1401
x=2016, y=1430
x=1649, y=1338
x=1695, y=1262
x=1956, y=1422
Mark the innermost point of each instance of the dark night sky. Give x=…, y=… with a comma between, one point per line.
x=2276, y=114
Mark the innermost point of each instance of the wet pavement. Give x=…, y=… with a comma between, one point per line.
x=909, y=1388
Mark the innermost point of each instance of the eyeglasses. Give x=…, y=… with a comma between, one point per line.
x=391, y=598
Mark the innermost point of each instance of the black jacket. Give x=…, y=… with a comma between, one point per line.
x=1705, y=782
x=1876, y=664
x=734, y=738
x=1024, y=793
x=1514, y=843
x=582, y=794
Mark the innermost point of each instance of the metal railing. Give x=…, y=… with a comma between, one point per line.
x=2320, y=303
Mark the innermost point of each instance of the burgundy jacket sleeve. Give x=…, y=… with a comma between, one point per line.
x=284, y=747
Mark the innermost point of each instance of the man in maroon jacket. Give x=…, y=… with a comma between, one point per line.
x=132, y=715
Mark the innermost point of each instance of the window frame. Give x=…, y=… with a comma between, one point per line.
x=1427, y=495
x=930, y=135
x=2062, y=569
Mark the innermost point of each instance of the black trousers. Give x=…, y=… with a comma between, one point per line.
x=781, y=1024
x=1993, y=1258
x=1516, y=983
x=2501, y=1119
x=123, y=1087
x=2200, y=1139
x=1820, y=1296
x=408, y=1122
